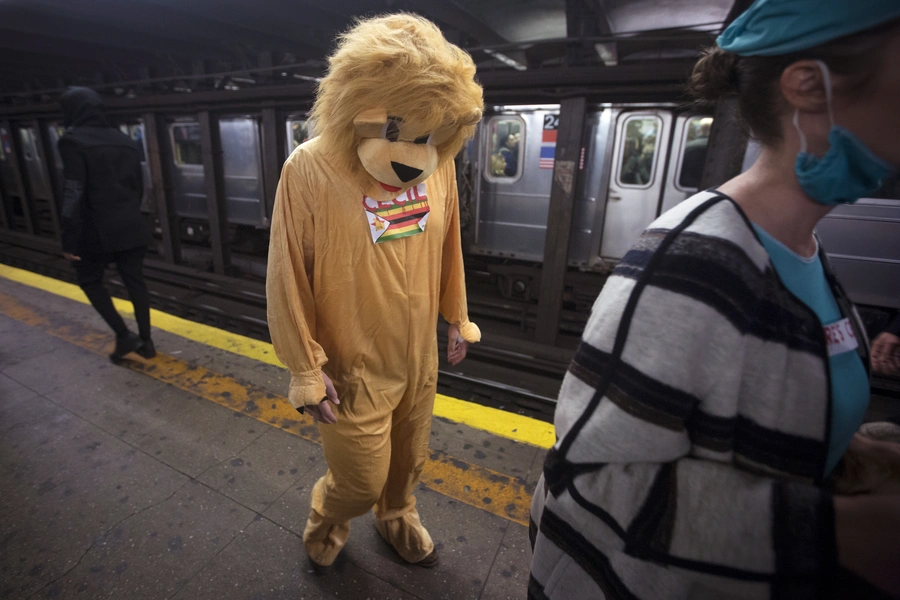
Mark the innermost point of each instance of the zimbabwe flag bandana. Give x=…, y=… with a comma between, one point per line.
x=401, y=217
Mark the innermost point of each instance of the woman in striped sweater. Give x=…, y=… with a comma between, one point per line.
x=723, y=373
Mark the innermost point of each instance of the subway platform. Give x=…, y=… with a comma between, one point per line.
x=188, y=476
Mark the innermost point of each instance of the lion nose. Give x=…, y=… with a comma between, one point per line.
x=404, y=172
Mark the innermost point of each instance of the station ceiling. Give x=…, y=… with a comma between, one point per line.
x=134, y=47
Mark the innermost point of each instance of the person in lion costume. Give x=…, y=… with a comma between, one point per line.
x=365, y=251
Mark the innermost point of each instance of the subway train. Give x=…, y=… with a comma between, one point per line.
x=242, y=166
x=637, y=161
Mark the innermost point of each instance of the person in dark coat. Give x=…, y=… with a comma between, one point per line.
x=101, y=217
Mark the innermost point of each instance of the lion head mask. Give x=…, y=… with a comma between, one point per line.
x=397, y=101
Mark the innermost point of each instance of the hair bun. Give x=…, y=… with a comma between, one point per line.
x=714, y=76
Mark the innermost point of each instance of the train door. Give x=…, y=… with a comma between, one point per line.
x=511, y=213
x=135, y=130
x=690, y=140
x=54, y=132
x=34, y=163
x=187, y=176
x=13, y=195
x=636, y=181
x=515, y=160
x=38, y=179
x=241, y=164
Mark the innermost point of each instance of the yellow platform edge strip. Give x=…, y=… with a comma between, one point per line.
x=497, y=422
x=488, y=490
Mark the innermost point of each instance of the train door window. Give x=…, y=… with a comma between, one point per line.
x=506, y=139
x=186, y=144
x=693, y=154
x=297, y=133
x=638, y=151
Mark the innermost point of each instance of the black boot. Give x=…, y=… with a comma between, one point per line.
x=124, y=345
x=147, y=349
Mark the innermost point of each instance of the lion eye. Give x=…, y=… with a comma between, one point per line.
x=422, y=140
x=392, y=129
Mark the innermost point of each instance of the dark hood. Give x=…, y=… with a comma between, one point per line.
x=82, y=106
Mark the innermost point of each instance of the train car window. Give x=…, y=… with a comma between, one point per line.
x=693, y=157
x=186, y=144
x=639, y=151
x=506, y=141
x=297, y=133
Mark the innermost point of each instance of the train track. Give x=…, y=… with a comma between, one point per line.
x=507, y=372
x=510, y=376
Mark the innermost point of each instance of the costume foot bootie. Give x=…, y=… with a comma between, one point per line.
x=125, y=344
x=324, y=540
x=410, y=539
x=147, y=349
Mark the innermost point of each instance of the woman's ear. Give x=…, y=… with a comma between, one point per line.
x=803, y=86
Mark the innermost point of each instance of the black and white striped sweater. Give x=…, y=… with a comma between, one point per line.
x=692, y=427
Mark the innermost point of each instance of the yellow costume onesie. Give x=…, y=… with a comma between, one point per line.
x=365, y=251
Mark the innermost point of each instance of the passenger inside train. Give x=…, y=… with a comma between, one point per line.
x=709, y=440
x=505, y=149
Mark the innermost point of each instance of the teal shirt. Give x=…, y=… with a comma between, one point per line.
x=805, y=278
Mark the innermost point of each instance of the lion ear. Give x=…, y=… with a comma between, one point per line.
x=369, y=123
x=471, y=119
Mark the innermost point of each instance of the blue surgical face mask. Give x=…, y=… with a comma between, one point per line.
x=848, y=171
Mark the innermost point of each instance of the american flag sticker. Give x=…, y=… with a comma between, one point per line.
x=548, y=150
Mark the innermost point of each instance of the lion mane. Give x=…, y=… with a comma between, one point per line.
x=403, y=63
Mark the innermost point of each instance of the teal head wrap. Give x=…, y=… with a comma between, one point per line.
x=773, y=27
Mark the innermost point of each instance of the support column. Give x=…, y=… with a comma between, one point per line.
x=56, y=185
x=214, y=177
x=159, y=161
x=273, y=154
x=559, y=219
x=727, y=145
